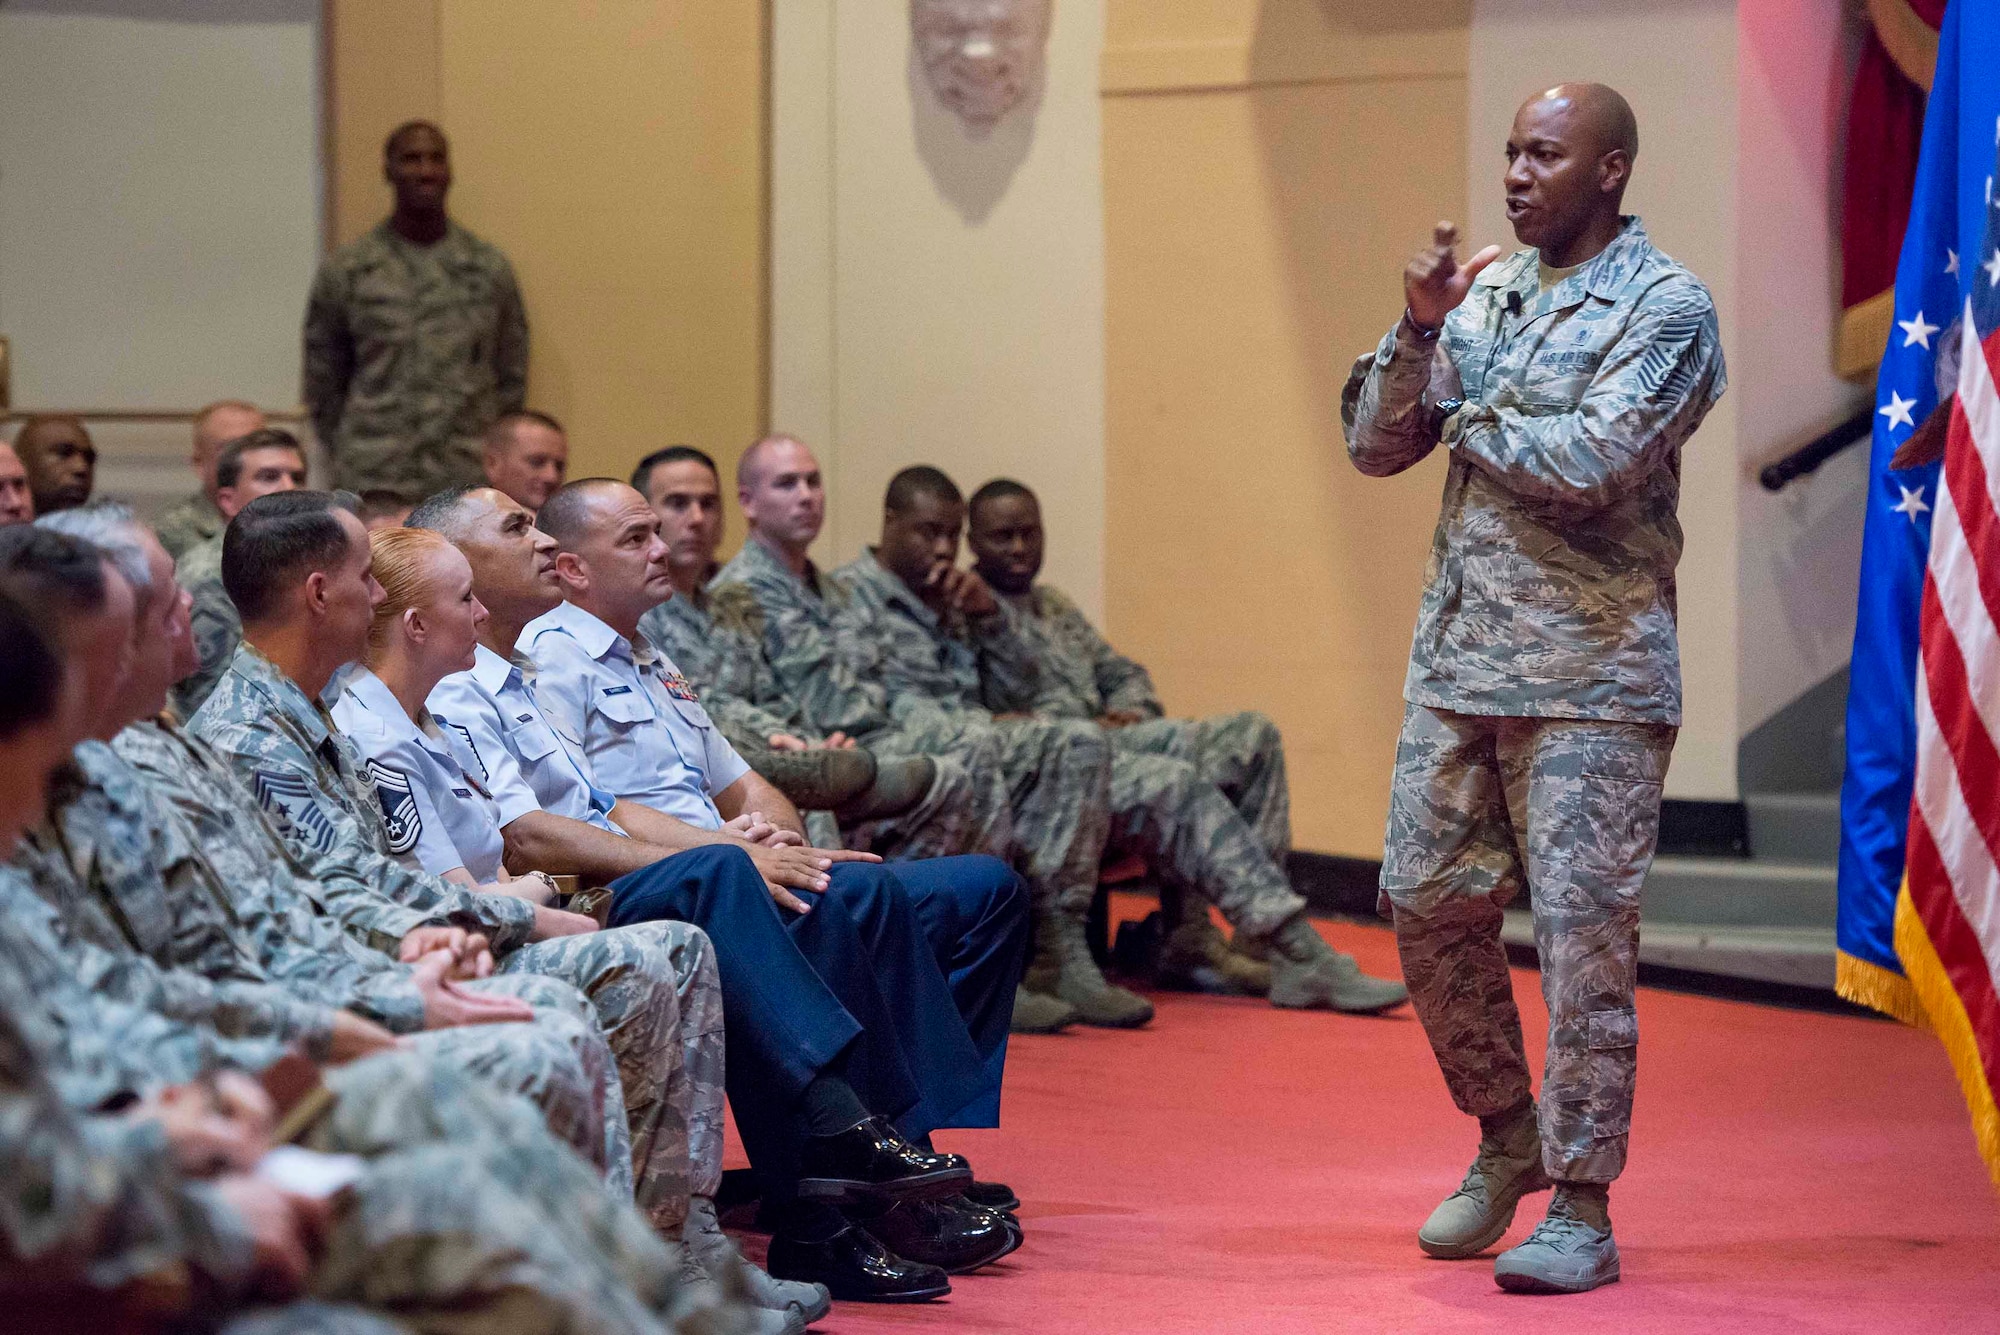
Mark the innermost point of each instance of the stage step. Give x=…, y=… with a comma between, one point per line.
x=1794, y=827
x=1796, y=956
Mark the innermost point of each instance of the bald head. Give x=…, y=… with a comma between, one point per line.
x=60, y=460
x=1569, y=159
x=572, y=510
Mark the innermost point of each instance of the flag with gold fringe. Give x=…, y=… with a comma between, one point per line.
x=1920, y=846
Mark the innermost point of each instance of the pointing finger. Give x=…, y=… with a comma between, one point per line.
x=1445, y=235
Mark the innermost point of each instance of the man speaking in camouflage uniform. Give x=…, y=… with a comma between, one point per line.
x=1544, y=684
x=415, y=339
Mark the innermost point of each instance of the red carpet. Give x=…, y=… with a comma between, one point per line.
x=1237, y=1168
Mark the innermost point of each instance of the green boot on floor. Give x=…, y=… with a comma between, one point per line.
x=1570, y=1251
x=1508, y=1167
x=1079, y=981
x=1040, y=1013
x=1307, y=973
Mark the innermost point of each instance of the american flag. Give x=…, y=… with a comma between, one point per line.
x=1948, y=921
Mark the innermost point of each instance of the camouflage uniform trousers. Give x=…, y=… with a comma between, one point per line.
x=658, y=1002
x=1168, y=812
x=966, y=809
x=1056, y=776
x=472, y=1219
x=1571, y=807
x=1242, y=754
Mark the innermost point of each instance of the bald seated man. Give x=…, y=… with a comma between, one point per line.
x=526, y=456
x=16, y=505
x=60, y=459
x=197, y=518
x=1544, y=689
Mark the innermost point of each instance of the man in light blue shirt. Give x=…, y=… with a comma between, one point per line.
x=862, y=939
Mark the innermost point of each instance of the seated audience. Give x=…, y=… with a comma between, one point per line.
x=259, y=463
x=526, y=456
x=60, y=460
x=944, y=636
x=160, y=1212
x=296, y=566
x=1240, y=755
x=912, y=806
x=1052, y=780
x=17, y=506
x=195, y=519
x=859, y=938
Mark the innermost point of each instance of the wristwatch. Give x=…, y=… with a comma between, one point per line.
x=1441, y=412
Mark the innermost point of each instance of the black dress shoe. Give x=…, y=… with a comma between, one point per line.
x=993, y=1195
x=870, y=1162
x=954, y=1235
x=856, y=1268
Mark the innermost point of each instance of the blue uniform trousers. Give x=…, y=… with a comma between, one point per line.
x=974, y=909
x=855, y=975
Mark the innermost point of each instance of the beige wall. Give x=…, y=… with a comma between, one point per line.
x=615, y=151
x=1269, y=167
x=938, y=296
x=1684, y=186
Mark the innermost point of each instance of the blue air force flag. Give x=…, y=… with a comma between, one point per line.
x=1941, y=262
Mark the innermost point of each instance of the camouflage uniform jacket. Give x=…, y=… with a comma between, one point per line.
x=83, y=862
x=411, y=352
x=277, y=905
x=950, y=661
x=725, y=661
x=1550, y=588
x=311, y=783
x=90, y=1198
x=1082, y=676
x=212, y=621
x=832, y=680
x=110, y=1050
x=192, y=521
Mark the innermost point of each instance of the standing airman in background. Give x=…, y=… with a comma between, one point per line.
x=415, y=338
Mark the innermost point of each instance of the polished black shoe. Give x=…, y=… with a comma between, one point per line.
x=856, y=1268
x=870, y=1162
x=955, y=1235
x=994, y=1196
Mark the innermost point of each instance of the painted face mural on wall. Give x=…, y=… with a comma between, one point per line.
x=980, y=55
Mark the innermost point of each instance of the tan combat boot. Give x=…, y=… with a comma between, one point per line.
x=1079, y=981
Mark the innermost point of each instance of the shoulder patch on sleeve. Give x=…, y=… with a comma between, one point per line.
x=405, y=824
x=289, y=802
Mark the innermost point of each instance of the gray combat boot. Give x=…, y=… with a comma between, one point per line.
x=899, y=785
x=1079, y=981
x=718, y=1260
x=1570, y=1251
x=815, y=780
x=1471, y=1219
x=1040, y=1013
x=1308, y=973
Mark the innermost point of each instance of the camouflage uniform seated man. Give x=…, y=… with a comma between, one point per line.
x=943, y=637
x=525, y=456
x=914, y=807
x=1544, y=690
x=259, y=463
x=196, y=518
x=56, y=451
x=1173, y=768
x=1050, y=780
x=296, y=566
x=17, y=504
